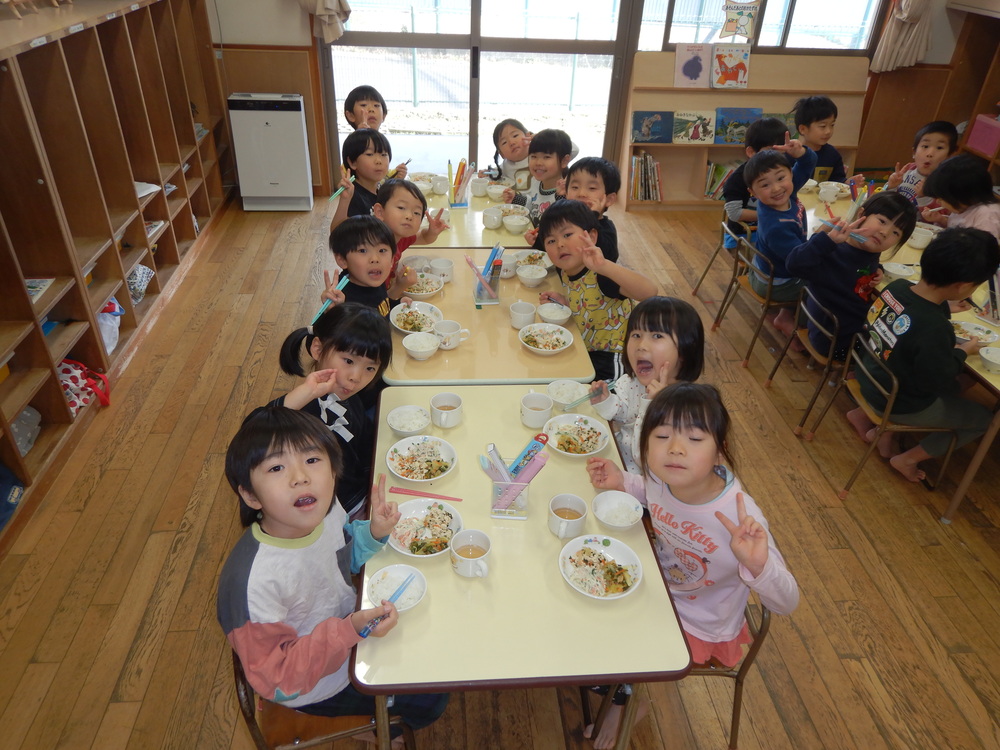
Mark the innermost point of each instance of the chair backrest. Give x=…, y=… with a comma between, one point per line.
x=868, y=364
x=245, y=695
x=726, y=230
x=821, y=318
x=750, y=260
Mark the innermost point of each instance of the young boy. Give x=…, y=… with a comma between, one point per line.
x=739, y=204
x=595, y=182
x=365, y=108
x=401, y=205
x=781, y=218
x=909, y=328
x=363, y=247
x=285, y=598
x=548, y=155
x=599, y=291
x=934, y=143
x=815, y=117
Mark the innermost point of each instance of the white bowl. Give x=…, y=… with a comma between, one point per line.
x=571, y=426
x=617, y=510
x=927, y=225
x=553, y=312
x=810, y=186
x=990, y=356
x=408, y=420
x=898, y=271
x=556, y=337
x=417, y=510
x=920, y=238
x=564, y=392
x=965, y=331
x=512, y=209
x=425, y=187
x=533, y=258
x=417, y=262
x=384, y=582
x=495, y=192
x=428, y=285
x=612, y=550
x=398, y=457
x=531, y=276
x=492, y=218
x=516, y=224
x=421, y=346
x=413, y=318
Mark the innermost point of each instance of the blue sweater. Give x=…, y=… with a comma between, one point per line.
x=778, y=232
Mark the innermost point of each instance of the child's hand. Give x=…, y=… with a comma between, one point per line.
x=508, y=195
x=362, y=617
x=972, y=346
x=406, y=300
x=896, y=178
x=435, y=225
x=841, y=232
x=958, y=305
x=317, y=384
x=592, y=256
x=604, y=475
x=347, y=185
x=937, y=216
x=561, y=189
x=530, y=236
x=552, y=297
x=661, y=381
x=749, y=539
x=406, y=276
x=384, y=516
x=400, y=171
x=877, y=277
x=331, y=292
x=792, y=146
x=599, y=392
x=857, y=179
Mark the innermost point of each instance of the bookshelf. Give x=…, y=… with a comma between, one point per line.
x=96, y=95
x=775, y=83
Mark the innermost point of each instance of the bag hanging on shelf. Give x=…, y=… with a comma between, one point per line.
x=81, y=385
x=108, y=322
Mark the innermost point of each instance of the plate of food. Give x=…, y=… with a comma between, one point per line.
x=420, y=176
x=421, y=458
x=383, y=584
x=512, y=209
x=545, y=339
x=425, y=528
x=426, y=287
x=965, y=331
x=576, y=435
x=600, y=567
x=533, y=258
x=416, y=317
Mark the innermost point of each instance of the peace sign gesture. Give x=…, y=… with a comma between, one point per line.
x=792, y=146
x=591, y=255
x=749, y=539
x=384, y=516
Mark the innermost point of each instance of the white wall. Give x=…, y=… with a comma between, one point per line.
x=945, y=27
x=280, y=23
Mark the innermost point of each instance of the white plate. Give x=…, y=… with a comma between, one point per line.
x=560, y=424
x=612, y=549
x=417, y=509
x=536, y=328
x=383, y=584
x=544, y=261
x=401, y=450
x=422, y=307
x=434, y=281
x=965, y=331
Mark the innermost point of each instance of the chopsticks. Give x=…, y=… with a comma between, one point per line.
x=854, y=235
x=373, y=623
x=326, y=305
x=339, y=190
x=577, y=402
x=417, y=493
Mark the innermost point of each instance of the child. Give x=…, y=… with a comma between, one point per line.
x=815, y=117
x=596, y=182
x=350, y=346
x=511, y=140
x=364, y=247
x=842, y=271
x=664, y=343
x=366, y=154
x=963, y=186
x=781, y=217
x=686, y=485
x=909, y=329
x=600, y=292
x=402, y=206
x=364, y=107
x=548, y=155
x=285, y=601
x=934, y=143
x=740, y=205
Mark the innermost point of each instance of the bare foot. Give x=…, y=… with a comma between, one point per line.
x=369, y=738
x=784, y=322
x=907, y=467
x=608, y=735
x=886, y=443
x=862, y=425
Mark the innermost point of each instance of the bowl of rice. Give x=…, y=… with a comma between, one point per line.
x=496, y=191
x=554, y=313
x=417, y=317
x=576, y=435
x=531, y=276
x=408, y=420
x=564, y=392
x=600, y=567
x=616, y=510
x=421, y=458
x=425, y=528
x=424, y=186
x=428, y=284
x=421, y=346
x=383, y=584
x=897, y=271
x=545, y=339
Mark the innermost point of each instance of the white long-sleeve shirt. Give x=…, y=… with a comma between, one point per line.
x=627, y=406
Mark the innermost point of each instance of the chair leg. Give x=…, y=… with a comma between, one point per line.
x=812, y=402
x=718, y=249
x=812, y=433
x=944, y=463
x=734, y=728
x=727, y=300
x=871, y=447
x=784, y=351
x=756, y=333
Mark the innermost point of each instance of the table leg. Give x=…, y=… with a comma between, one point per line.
x=985, y=442
x=628, y=719
x=382, y=722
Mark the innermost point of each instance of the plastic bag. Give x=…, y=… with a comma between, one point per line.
x=138, y=280
x=108, y=323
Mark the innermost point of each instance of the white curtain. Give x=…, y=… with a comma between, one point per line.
x=906, y=36
x=331, y=15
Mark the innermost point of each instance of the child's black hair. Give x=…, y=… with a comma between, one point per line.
x=943, y=127
x=497, y=132
x=810, y=109
x=896, y=208
x=962, y=181
x=349, y=327
x=765, y=133
x=595, y=165
x=268, y=429
x=359, y=231
x=363, y=93
x=961, y=255
x=390, y=186
x=762, y=162
x=356, y=143
x=675, y=318
x=551, y=141
x=685, y=406
x=564, y=212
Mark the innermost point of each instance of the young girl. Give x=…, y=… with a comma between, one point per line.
x=686, y=484
x=511, y=140
x=664, y=343
x=350, y=346
x=963, y=186
x=401, y=205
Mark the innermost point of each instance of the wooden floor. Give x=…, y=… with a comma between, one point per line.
x=108, y=636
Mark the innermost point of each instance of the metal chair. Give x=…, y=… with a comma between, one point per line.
x=867, y=364
x=276, y=727
x=724, y=232
x=746, y=261
x=826, y=323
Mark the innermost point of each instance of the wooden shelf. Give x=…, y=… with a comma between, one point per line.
x=18, y=389
x=12, y=333
x=53, y=294
x=63, y=337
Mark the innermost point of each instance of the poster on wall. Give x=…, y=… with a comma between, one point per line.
x=739, y=21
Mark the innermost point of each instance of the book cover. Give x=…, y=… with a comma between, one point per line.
x=731, y=123
x=787, y=117
x=37, y=287
x=692, y=65
x=652, y=127
x=694, y=127
x=730, y=66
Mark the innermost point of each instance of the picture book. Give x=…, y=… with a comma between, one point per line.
x=731, y=123
x=37, y=287
x=787, y=117
x=694, y=127
x=730, y=66
x=692, y=65
x=652, y=127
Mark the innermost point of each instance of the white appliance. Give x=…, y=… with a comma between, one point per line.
x=272, y=151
